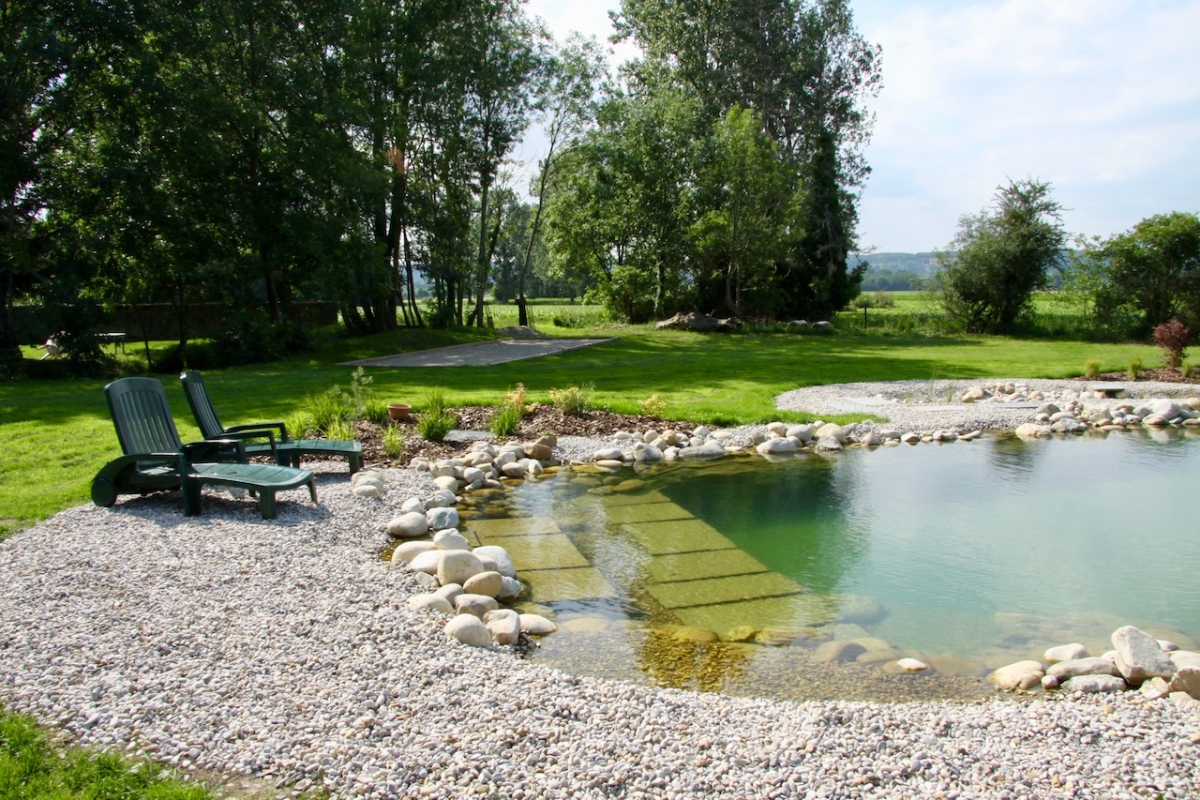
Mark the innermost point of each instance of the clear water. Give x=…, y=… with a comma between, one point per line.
x=967, y=555
x=949, y=537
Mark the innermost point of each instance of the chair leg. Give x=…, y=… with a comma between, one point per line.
x=191, y=497
x=266, y=504
x=356, y=462
x=312, y=489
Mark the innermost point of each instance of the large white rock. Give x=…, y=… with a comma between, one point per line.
x=705, y=452
x=1187, y=679
x=475, y=604
x=504, y=625
x=802, y=432
x=369, y=490
x=450, y=591
x=441, y=518
x=912, y=665
x=450, y=539
x=1021, y=675
x=426, y=562
x=1064, y=652
x=456, y=566
x=498, y=556
x=646, y=452
x=1185, y=658
x=408, y=526
x=469, y=630
x=831, y=431
x=510, y=589
x=485, y=583
x=1139, y=657
x=447, y=482
x=777, y=447
x=608, y=454
x=1075, y=667
x=1092, y=684
x=537, y=625
x=412, y=504
x=407, y=551
x=432, y=602
x=513, y=469
x=1032, y=430
x=838, y=650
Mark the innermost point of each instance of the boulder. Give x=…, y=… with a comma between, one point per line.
x=498, y=556
x=912, y=665
x=608, y=454
x=839, y=650
x=432, y=602
x=504, y=625
x=832, y=431
x=426, y=562
x=450, y=539
x=447, y=482
x=510, y=589
x=475, y=604
x=412, y=504
x=1093, y=684
x=407, y=551
x=450, y=591
x=425, y=581
x=973, y=394
x=538, y=452
x=1064, y=652
x=513, y=469
x=646, y=452
x=1021, y=675
x=1139, y=657
x=456, y=566
x=705, y=452
x=1187, y=679
x=442, y=518
x=469, y=630
x=485, y=583
x=1155, y=689
x=777, y=447
x=537, y=625
x=1075, y=667
x=369, y=490
x=1032, y=430
x=802, y=432
x=1185, y=658
x=829, y=444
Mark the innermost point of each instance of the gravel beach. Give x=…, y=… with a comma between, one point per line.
x=284, y=652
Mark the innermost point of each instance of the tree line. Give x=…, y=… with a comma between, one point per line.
x=253, y=152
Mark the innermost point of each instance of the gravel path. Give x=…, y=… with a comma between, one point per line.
x=285, y=651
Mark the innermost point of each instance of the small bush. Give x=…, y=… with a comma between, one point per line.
x=300, y=425
x=376, y=410
x=434, y=425
x=1173, y=338
x=652, y=406
x=1091, y=368
x=516, y=397
x=573, y=319
x=574, y=401
x=434, y=402
x=884, y=300
x=327, y=409
x=340, y=429
x=393, y=441
x=1135, y=369
x=1185, y=368
x=506, y=420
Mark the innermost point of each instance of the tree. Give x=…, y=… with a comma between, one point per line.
x=999, y=258
x=1147, y=275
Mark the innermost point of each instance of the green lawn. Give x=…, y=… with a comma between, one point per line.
x=58, y=434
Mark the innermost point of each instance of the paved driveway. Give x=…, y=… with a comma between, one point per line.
x=481, y=354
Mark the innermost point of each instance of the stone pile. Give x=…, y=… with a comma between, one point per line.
x=1137, y=661
x=469, y=584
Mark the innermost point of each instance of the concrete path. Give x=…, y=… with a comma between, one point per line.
x=481, y=354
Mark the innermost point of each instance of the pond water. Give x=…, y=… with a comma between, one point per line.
x=968, y=556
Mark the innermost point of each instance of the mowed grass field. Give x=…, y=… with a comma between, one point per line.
x=57, y=434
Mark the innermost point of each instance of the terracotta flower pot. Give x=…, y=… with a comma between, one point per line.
x=398, y=411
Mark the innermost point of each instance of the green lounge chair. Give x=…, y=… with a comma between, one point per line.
x=284, y=450
x=156, y=460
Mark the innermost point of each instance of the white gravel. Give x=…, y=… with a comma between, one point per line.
x=285, y=651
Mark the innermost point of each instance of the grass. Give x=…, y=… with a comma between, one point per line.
x=57, y=434
x=34, y=768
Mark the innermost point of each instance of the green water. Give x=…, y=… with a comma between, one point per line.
x=968, y=556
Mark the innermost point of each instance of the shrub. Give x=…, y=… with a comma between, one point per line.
x=506, y=420
x=300, y=425
x=1185, y=368
x=326, y=409
x=340, y=429
x=1091, y=367
x=1173, y=338
x=393, y=441
x=574, y=401
x=434, y=425
x=376, y=411
x=1135, y=368
x=652, y=406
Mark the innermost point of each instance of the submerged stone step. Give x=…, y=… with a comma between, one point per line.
x=685, y=594
x=677, y=536
x=550, y=551
x=703, y=564
x=576, y=583
x=646, y=512
x=643, y=498
x=791, y=612
x=486, y=529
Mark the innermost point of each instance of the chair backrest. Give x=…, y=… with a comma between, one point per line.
x=201, y=404
x=142, y=416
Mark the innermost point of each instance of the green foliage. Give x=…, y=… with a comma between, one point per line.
x=506, y=420
x=999, y=258
x=1173, y=337
x=340, y=429
x=653, y=406
x=249, y=339
x=1185, y=368
x=1145, y=276
x=327, y=410
x=435, y=420
x=1134, y=369
x=393, y=441
x=1091, y=367
x=574, y=401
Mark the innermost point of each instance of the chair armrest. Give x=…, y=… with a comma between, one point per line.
x=211, y=449
x=244, y=435
x=283, y=434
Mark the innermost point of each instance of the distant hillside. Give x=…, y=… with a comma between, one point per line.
x=918, y=263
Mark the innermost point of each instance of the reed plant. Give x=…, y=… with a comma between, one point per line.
x=1135, y=369
x=1091, y=368
x=574, y=401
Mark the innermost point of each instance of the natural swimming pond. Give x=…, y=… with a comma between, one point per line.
x=968, y=556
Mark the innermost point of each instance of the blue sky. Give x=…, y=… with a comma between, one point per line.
x=1100, y=98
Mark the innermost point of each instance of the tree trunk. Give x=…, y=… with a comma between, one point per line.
x=10, y=348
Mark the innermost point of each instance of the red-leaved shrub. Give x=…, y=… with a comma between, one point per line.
x=1173, y=338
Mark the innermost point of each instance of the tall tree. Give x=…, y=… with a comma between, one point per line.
x=1000, y=257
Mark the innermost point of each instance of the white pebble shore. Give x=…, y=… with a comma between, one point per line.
x=285, y=650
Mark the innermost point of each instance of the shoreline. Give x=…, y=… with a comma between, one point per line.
x=286, y=650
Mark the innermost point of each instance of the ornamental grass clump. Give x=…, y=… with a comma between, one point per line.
x=1173, y=338
x=506, y=420
x=393, y=442
x=1091, y=368
x=574, y=401
x=1135, y=369
x=652, y=406
x=435, y=420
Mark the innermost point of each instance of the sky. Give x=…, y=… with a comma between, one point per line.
x=1101, y=98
